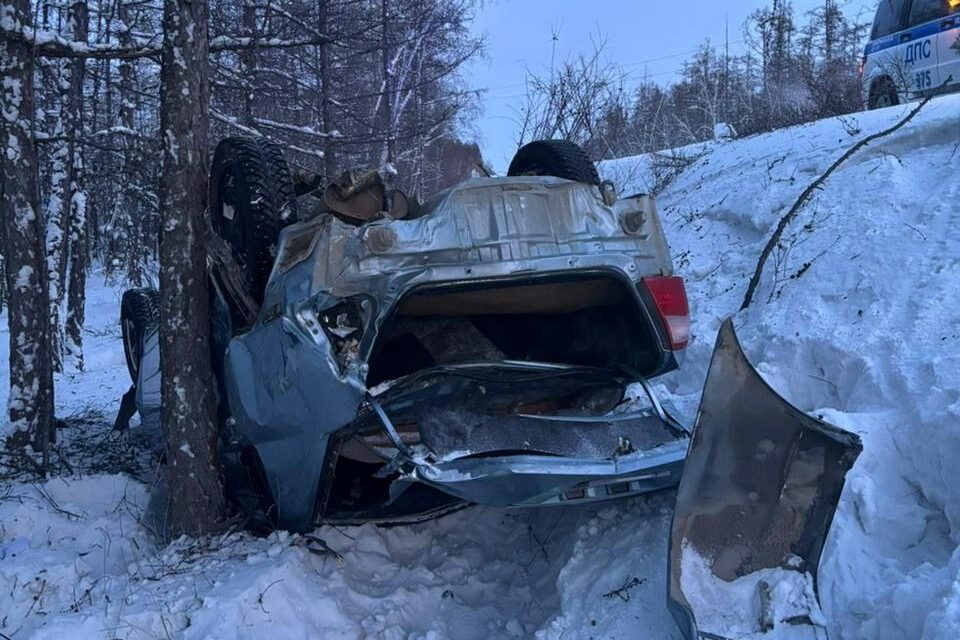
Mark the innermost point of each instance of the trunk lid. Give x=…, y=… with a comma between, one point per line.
x=523, y=433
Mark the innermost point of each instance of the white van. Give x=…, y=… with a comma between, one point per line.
x=914, y=50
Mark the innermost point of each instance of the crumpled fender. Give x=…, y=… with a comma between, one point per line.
x=760, y=485
x=286, y=398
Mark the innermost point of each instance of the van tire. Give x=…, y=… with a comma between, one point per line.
x=883, y=93
x=558, y=158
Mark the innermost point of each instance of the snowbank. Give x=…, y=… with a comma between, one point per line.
x=858, y=320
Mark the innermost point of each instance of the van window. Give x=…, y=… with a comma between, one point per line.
x=889, y=18
x=927, y=10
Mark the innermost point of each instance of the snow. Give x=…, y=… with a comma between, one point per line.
x=737, y=609
x=24, y=277
x=857, y=320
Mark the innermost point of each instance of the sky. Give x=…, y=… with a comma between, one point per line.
x=645, y=37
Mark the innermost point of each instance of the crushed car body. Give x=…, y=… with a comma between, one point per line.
x=451, y=345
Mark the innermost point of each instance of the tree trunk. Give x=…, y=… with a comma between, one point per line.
x=248, y=61
x=187, y=402
x=31, y=377
x=77, y=237
x=57, y=77
x=326, y=79
x=129, y=228
x=388, y=150
x=3, y=252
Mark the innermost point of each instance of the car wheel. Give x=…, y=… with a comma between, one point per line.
x=252, y=198
x=559, y=158
x=139, y=315
x=883, y=94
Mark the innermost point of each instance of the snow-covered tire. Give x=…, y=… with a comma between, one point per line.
x=251, y=199
x=883, y=93
x=139, y=316
x=558, y=158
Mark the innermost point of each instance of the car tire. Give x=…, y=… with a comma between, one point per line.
x=252, y=198
x=883, y=94
x=558, y=158
x=139, y=315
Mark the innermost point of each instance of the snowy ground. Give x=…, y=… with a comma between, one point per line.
x=858, y=320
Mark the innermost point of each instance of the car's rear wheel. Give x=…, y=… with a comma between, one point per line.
x=883, y=94
x=139, y=315
x=558, y=158
x=252, y=198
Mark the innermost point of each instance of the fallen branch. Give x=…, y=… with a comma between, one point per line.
x=624, y=592
x=808, y=193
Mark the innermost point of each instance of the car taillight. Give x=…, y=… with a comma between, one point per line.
x=670, y=298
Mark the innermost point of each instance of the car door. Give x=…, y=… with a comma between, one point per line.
x=885, y=52
x=948, y=45
x=759, y=489
x=920, y=44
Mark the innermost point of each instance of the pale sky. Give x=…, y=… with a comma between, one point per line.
x=646, y=37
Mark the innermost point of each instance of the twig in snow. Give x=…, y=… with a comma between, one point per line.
x=543, y=543
x=624, y=592
x=36, y=598
x=808, y=193
x=318, y=546
x=264, y=592
x=919, y=233
x=824, y=380
x=46, y=496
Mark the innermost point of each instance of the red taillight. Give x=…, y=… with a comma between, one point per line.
x=670, y=298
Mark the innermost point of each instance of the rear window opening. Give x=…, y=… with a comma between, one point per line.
x=593, y=321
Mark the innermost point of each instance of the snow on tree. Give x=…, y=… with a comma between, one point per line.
x=77, y=228
x=31, y=377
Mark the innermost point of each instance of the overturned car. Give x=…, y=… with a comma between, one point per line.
x=378, y=359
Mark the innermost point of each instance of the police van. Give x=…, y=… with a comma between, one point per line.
x=914, y=50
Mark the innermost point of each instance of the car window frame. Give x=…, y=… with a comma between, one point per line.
x=901, y=13
x=911, y=22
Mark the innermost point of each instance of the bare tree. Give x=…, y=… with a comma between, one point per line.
x=31, y=376
x=187, y=401
x=573, y=101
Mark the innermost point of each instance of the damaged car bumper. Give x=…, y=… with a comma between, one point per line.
x=525, y=459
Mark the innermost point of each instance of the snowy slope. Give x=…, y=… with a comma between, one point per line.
x=866, y=333
x=860, y=322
